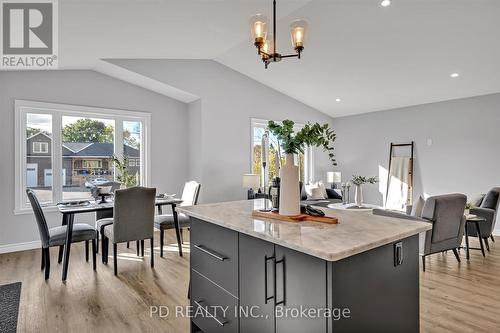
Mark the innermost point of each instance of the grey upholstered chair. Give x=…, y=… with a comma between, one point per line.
x=133, y=219
x=163, y=222
x=487, y=209
x=446, y=213
x=57, y=236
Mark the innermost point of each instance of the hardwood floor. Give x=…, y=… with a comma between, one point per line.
x=454, y=297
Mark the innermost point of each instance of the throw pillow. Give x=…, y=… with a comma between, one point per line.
x=323, y=188
x=418, y=206
x=318, y=192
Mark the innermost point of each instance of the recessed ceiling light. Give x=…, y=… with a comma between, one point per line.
x=385, y=3
x=337, y=99
x=454, y=75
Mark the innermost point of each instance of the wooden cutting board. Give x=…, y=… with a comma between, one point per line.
x=297, y=218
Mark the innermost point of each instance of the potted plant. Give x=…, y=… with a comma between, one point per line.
x=359, y=181
x=292, y=143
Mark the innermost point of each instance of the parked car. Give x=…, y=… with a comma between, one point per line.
x=96, y=182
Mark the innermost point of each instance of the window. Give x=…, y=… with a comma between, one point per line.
x=78, y=144
x=40, y=147
x=131, y=163
x=276, y=156
x=93, y=164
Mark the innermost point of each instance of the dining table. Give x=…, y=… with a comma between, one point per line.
x=70, y=209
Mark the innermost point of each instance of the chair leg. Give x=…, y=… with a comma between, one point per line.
x=115, y=259
x=492, y=238
x=94, y=253
x=487, y=244
x=142, y=248
x=104, y=249
x=455, y=252
x=87, y=251
x=423, y=263
x=107, y=250
x=60, y=255
x=137, y=247
x=97, y=243
x=152, y=252
x=162, y=234
x=47, y=263
x=43, y=260
x=182, y=237
x=128, y=245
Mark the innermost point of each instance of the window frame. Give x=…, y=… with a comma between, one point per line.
x=57, y=111
x=42, y=144
x=308, y=152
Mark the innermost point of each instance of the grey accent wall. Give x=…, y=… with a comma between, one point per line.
x=220, y=132
x=169, y=139
x=464, y=155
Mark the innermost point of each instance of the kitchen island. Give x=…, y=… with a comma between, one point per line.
x=252, y=274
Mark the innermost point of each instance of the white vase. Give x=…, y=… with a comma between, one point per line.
x=289, y=188
x=358, y=197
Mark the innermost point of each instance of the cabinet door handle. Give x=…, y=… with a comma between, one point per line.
x=220, y=322
x=210, y=252
x=266, y=296
x=276, y=263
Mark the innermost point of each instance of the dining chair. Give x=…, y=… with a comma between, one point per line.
x=163, y=222
x=132, y=220
x=52, y=237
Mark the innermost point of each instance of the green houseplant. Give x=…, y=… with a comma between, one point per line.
x=315, y=135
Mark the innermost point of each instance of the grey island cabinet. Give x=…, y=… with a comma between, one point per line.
x=254, y=275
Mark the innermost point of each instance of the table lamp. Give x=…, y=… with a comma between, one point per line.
x=251, y=181
x=333, y=177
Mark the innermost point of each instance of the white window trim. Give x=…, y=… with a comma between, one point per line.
x=309, y=151
x=44, y=150
x=22, y=107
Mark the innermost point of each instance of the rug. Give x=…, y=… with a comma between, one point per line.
x=9, y=303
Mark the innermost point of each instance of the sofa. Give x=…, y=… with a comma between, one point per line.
x=332, y=197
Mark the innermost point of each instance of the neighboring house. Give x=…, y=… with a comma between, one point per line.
x=39, y=160
x=81, y=161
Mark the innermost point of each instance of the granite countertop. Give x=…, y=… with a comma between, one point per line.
x=358, y=231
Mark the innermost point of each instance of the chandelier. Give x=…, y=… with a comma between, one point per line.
x=266, y=43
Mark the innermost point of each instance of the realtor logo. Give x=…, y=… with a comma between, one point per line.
x=29, y=34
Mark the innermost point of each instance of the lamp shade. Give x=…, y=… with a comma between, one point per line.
x=298, y=30
x=251, y=181
x=258, y=27
x=333, y=177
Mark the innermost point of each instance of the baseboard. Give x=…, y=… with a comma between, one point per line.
x=19, y=247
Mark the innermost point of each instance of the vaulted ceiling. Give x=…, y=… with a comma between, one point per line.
x=368, y=56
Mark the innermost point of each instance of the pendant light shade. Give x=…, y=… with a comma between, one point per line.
x=266, y=44
x=298, y=30
x=258, y=28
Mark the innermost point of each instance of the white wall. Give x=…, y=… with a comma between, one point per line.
x=464, y=156
x=228, y=100
x=169, y=146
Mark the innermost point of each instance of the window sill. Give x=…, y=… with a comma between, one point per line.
x=25, y=211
